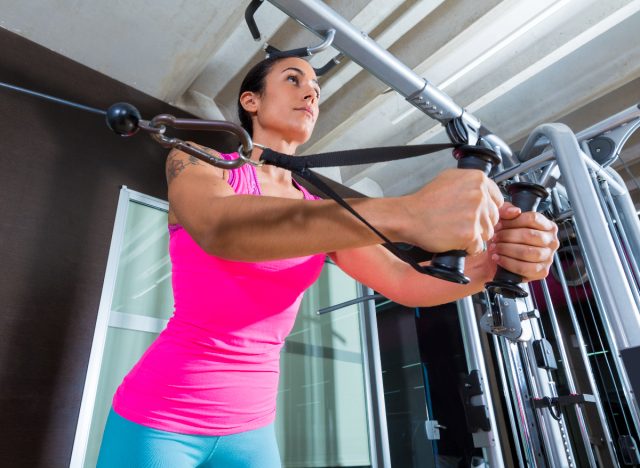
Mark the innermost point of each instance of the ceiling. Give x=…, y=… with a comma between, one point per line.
x=513, y=63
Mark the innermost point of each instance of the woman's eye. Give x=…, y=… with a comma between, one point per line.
x=293, y=78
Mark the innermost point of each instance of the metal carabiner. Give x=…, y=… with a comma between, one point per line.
x=157, y=127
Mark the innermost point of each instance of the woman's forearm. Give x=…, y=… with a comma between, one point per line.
x=420, y=290
x=250, y=228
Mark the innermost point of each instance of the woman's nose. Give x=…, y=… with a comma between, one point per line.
x=311, y=97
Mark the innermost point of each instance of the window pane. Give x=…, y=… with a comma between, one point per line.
x=143, y=284
x=322, y=418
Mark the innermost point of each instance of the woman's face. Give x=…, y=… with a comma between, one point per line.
x=289, y=102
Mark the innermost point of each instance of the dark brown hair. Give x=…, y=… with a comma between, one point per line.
x=254, y=82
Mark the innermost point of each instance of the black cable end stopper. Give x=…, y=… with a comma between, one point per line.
x=507, y=289
x=123, y=119
x=443, y=272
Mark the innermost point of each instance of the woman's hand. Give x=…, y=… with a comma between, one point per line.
x=457, y=210
x=524, y=243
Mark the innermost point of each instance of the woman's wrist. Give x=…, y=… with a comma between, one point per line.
x=481, y=267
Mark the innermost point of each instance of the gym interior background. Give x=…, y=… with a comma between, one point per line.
x=578, y=63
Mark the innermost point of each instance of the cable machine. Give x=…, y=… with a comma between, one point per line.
x=568, y=348
x=564, y=352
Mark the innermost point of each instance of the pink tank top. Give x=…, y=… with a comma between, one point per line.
x=214, y=369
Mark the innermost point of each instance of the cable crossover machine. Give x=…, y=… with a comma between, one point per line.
x=566, y=350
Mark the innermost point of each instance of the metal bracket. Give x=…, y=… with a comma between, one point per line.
x=606, y=147
x=543, y=352
x=476, y=415
x=433, y=429
x=502, y=318
x=464, y=129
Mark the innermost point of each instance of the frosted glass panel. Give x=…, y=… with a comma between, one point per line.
x=122, y=350
x=321, y=419
x=143, y=282
x=142, y=288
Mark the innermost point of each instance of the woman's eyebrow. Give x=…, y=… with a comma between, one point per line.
x=299, y=71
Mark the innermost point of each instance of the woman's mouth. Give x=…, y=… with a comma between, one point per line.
x=307, y=110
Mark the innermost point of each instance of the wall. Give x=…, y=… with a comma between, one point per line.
x=60, y=173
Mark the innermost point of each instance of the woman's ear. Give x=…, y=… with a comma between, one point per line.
x=249, y=101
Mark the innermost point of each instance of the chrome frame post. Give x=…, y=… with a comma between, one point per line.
x=585, y=358
x=528, y=424
x=627, y=212
x=607, y=270
x=488, y=441
x=509, y=401
x=620, y=311
x=582, y=425
x=610, y=333
x=376, y=409
x=554, y=434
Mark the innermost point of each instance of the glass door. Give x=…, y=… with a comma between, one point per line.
x=136, y=304
x=323, y=408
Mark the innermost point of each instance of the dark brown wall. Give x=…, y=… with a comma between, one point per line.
x=60, y=173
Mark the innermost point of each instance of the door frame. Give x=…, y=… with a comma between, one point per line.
x=105, y=319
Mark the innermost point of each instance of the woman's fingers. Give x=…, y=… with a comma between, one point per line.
x=529, y=271
x=526, y=236
x=524, y=253
x=532, y=220
x=509, y=211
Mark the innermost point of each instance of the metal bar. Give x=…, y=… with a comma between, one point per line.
x=601, y=172
x=607, y=269
x=628, y=216
x=475, y=361
x=619, y=237
x=583, y=353
x=529, y=426
x=357, y=300
x=509, y=402
x=616, y=120
x=319, y=17
x=524, y=167
x=372, y=367
x=543, y=418
x=615, y=237
x=610, y=333
x=612, y=122
x=556, y=443
x=584, y=434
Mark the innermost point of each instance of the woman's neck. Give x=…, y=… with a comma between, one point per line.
x=272, y=141
x=276, y=143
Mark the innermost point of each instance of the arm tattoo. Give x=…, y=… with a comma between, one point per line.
x=175, y=166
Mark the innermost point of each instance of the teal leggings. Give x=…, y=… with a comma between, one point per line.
x=126, y=444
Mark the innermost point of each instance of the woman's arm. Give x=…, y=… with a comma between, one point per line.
x=250, y=228
x=523, y=243
x=377, y=268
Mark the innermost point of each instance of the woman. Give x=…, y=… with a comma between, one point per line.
x=204, y=393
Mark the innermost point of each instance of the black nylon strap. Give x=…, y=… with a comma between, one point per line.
x=300, y=165
x=349, y=157
x=388, y=244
